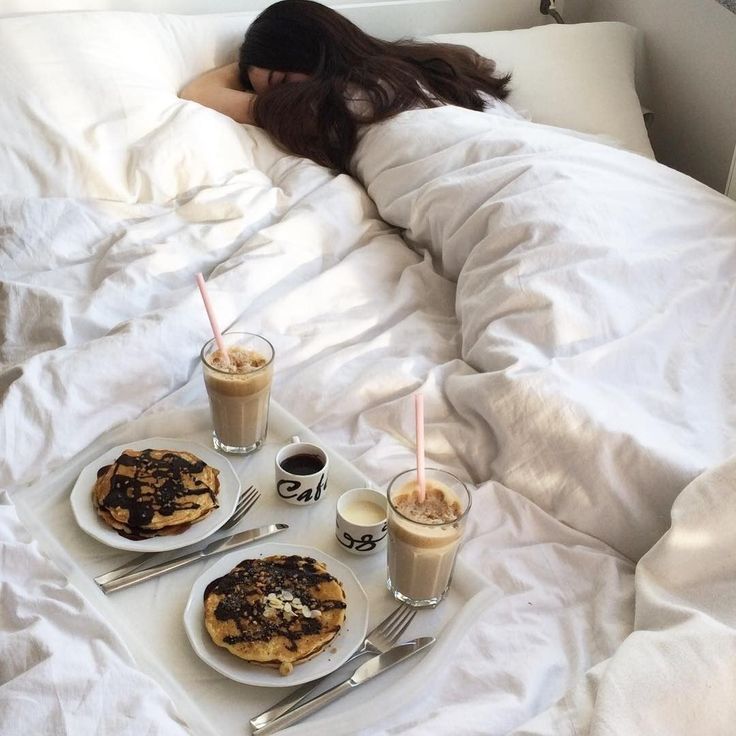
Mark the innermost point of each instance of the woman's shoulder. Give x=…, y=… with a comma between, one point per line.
x=495, y=106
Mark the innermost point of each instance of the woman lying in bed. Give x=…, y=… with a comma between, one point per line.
x=310, y=77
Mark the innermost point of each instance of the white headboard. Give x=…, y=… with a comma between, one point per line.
x=386, y=18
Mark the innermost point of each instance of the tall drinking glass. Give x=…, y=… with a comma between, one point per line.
x=239, y=390
x=423, y=537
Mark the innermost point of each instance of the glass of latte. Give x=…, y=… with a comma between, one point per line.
x=239, y=389
x=424, y=535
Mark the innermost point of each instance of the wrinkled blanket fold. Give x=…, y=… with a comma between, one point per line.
x=595, y=297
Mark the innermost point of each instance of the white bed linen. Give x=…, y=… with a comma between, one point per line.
x=359, y=322
x=595, y=296
x=529, y=553
x=674, y=674
x=63, y=669
x=566, y=313
x=354, y=338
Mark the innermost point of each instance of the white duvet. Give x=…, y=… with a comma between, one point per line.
x=566, y=307
x=596, y=300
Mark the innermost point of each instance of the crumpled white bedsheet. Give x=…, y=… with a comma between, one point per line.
x=581, y=382
x=359, y=322
x=674, y=673
x=595, y=297
x=64, y=670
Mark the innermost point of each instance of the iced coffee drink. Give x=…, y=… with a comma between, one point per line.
x=239, y=389
x=424, y=535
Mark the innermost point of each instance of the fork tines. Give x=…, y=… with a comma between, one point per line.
x=396, y=623
x=245, y=503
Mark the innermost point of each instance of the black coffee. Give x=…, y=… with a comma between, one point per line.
x=303, y=464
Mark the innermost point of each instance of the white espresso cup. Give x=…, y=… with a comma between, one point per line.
x=360, y=523
x=301, y=472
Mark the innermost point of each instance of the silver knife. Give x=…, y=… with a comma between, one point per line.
x=147, y=560
x=365, y=672
x=221, y=545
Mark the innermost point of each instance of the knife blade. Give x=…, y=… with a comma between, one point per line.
x=365, y=672
x=221, y=545
x=148, y=560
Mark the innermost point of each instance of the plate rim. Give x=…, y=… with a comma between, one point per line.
x=271, y=548
x=110, y=538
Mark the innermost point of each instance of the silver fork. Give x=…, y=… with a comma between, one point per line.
x=245, y=503
x=379, y=640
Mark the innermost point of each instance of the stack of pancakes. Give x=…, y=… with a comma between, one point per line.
x=150, y=493
x=277, y=611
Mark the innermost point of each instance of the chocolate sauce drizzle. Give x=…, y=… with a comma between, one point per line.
x=155, y=486
x=246, y=587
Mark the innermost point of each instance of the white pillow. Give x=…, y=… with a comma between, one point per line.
x=572, y=76
x=89, y=106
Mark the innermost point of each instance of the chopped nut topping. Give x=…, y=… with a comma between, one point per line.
x=285, y=601
x=286, y=668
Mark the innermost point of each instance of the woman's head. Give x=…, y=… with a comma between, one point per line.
x=347, y=78
x=303, y=39
x=261, y=79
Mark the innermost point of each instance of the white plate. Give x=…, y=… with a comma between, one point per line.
x=348, y=639
x=90, y=522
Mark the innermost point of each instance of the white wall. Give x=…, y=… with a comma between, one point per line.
x=690, y=78
x=386, y=18
x=392, y=19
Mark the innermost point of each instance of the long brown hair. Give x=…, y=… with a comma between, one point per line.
x=315, y=117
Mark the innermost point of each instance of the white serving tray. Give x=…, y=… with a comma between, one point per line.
x=149, y=616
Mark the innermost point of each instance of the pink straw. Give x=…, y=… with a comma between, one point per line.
x=419, y=413
x=213, y=320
